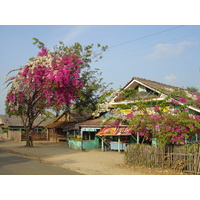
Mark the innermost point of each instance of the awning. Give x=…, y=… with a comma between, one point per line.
x=114, y=131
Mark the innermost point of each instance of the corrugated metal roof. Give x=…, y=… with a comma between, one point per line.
x=15, y=121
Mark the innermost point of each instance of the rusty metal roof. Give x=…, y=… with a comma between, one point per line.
x=114, y=131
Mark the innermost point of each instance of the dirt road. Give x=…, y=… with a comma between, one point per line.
x=90, y=162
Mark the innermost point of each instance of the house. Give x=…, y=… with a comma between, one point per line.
x=147, y=91
x=56, y=131
x=13, y=126
x=92, y=134
x=83, y=134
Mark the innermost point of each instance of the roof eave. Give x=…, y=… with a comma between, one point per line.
x=132, y=102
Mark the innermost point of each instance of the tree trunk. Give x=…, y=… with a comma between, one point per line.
x=29, y=141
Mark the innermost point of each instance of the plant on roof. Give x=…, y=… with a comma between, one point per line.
x=169, y=121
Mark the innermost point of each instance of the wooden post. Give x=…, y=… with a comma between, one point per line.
x=119, y=144
x=89, y=135
x=102, y=143
x=138, y=138
x=47, y=134
x=81, y=133
x=81, y=139
x=74, y=133
x=20, y=139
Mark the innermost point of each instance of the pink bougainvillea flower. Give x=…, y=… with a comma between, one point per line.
x=47, y=80
x=175, y=102
x=43, y=53
x=117, y=123
x=182, y=136
x=156, y=108
x=183, y=99
x=129, y=115
x=141, y=134
x=198, y=101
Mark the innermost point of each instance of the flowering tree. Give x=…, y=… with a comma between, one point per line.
x=168, y=122
x=93, y=85
x=48, y=81
x=165, y=128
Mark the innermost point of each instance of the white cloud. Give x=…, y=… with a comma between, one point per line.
x=167, y=50
x=171, y=78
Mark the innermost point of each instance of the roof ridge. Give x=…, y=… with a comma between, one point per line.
x=137, y=78
x=156, y=82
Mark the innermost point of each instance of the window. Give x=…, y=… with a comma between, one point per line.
x=88, y=135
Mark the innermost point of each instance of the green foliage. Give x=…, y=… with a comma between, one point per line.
x=128, y=94
x=5, y=130
x=192, y=89
x=40, y=45
x=105, y=96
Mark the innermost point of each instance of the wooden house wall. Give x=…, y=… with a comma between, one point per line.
x=19, y=135
x=56, y=135
x=52, y=135
x=3, y=135
x=15, y=135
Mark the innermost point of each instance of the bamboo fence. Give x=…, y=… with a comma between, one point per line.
x=183, y=158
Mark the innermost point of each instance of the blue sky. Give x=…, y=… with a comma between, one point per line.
x=163, y=53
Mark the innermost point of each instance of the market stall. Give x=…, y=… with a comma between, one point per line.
x=115, y=138
x=83, y=135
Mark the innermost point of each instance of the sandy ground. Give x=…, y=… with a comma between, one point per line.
x=89, y=162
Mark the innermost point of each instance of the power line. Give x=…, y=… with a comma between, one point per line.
x=155, y=44
x=168, y=41
x=145, y=36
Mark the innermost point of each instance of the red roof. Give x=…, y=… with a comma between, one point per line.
x=114, y=131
